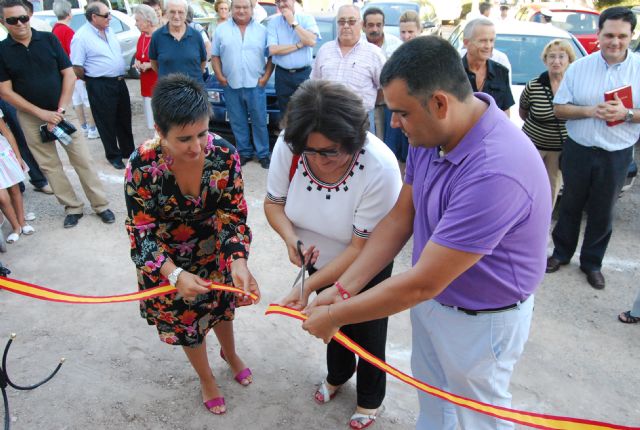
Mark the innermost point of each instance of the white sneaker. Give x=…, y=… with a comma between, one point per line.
x=93, y=133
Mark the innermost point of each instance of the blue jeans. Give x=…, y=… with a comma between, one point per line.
x=244, y=105
x=287, y=83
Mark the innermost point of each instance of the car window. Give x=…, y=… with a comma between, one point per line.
x=574, y=22
x=524, y=55
x=326, y=32
x=77, y=21
x=117, y=26
x=392, y=11
x=270, y=8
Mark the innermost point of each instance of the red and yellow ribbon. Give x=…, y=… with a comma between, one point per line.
x=42, y=293
x=530, y=419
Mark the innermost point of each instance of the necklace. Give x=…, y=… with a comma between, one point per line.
x=145, y=47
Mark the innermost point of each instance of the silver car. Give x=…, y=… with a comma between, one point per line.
x=122, y=25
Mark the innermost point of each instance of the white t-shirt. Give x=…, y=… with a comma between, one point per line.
x=328, y=215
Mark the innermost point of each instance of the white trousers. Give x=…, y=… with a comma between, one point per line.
x=469, y=355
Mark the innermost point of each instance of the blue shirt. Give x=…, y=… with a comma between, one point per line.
x=584, y=84
x=243, y=59
x=281, y=33
x=497, y=83
x=489, y=195
x=178, y=56
x=99, y=57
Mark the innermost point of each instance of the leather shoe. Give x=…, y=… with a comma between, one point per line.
x=265, y=162
x=553, y=264
x=595, y=278
x=117, y=164
x=244, y=160
x=107, y=217
x=71, y=220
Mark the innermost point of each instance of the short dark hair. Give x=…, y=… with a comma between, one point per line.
x=427, y=64
x=504, y=7
x=11, y=3
x=152, y=3
x=92, y=9
x=485, y=6
x=372, y=11
x=178, y=100
x=616, y=13
x=328, y=108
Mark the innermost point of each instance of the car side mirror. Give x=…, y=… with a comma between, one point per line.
x=428, y=24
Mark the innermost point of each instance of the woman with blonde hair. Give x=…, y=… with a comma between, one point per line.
x=546, y=131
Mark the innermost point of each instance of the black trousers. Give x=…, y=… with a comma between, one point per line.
x=371, y=382
x=287, y=83
x=111, y=108
x=593, y=179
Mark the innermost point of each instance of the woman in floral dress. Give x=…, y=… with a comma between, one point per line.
x=187, y=225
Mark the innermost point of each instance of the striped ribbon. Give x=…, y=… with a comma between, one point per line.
x=530, y=419
x=42, y=293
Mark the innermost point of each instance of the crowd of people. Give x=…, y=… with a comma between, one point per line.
x=383, y=139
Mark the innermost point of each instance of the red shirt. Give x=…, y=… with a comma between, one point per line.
x=64, y=33
x=149, y=77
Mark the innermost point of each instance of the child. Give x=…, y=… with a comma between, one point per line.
x=11, y=174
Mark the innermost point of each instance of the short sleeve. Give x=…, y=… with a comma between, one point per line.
x=272, y=33
x=278, y=178
x=564, y=95
x=4, y=73
x=78, y=51
x=215, y=45
x=379, y=197
x=524, y=97
x=316, y=72
x=308, y=22
x=201, y=47
x=480, y=213
x=61, y=55
x=153, y=45
x=379, y=64
x=410, y=166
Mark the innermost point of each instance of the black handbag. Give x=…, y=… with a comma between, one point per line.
x=47, y=136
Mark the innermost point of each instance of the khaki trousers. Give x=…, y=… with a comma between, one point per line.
x=551, y=160
x=46, y=154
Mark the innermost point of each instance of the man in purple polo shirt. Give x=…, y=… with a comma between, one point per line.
x=477, y=203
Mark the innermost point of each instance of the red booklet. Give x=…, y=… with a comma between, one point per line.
x=625, y=96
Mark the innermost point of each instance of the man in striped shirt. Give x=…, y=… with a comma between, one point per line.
x=596, y=156
x=351, y=60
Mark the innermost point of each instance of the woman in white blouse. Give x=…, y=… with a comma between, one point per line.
x=330, y=183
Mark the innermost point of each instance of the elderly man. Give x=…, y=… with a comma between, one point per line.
x=97, y=59
x=239, y=48
x=475, y=191
x=36, y=77
x=291, y=38
x=351, y=60
x=597, y=154
x=485, y=74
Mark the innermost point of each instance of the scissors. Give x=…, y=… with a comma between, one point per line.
x=303, y=269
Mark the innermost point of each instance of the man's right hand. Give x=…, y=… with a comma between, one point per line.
x=190, y=285
x=223, y=81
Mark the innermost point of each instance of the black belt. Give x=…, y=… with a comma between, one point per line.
x=486, y=311
x=111, y=78
x=301, y=69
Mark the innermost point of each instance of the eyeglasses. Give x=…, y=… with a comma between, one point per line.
x=13, y=20
x=326, y=153
x=105, y=16
x=351, y=22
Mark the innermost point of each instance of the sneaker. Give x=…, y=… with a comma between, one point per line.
x=29, y=216
x=93, y=133
x=85, y=128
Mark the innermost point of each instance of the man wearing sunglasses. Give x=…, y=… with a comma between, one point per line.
x=97, y=59
x=37, y=78
x=351, y=60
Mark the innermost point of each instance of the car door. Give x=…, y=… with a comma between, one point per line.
x=127, y=38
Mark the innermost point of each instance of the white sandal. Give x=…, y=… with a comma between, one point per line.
x=363, y=420
x=29, y=216
x=27, y=229
x=323, y=390
x=13, y=237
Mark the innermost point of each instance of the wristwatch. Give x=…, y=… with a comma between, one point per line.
x=294, y=24
x=173, y=276
x=629, y=116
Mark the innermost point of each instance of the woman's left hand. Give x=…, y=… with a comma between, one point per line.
x=320, y=324
x=242, y=278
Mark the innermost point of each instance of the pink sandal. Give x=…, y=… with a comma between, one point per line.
x=212, y=403
x=240, y=376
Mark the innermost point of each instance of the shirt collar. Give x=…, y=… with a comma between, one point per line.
x=96, y=30
x=480, y=129
x=187, y=33
x=35, y=35
x=607, y=65
x=490, y=66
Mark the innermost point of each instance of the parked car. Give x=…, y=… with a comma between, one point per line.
x=122, y=25
x=523, y=43
x=392, y=9
x=220, y=117
x=579, y=21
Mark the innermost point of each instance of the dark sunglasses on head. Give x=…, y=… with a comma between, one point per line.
x=13, y=20
x=105, y=16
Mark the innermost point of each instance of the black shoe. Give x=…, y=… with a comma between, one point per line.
x=244, y=160
x=117, y=164
x=553, y=264
x=107, y=217
x=71, y=220
x=265, y=162
x=595, y=278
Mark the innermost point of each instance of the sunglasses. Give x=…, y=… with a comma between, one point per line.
x=343, y=22
x=322, y=152
x=105, y=16
x=13, y=20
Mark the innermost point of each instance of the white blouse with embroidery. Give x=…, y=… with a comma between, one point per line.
x=328, y=215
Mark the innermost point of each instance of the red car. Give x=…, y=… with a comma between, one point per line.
x=579, y=21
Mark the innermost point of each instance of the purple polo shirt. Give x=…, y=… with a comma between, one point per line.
x=490, y=195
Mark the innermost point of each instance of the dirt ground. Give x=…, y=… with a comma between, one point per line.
x=579, y=360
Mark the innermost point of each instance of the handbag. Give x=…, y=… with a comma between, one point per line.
x=47, y=136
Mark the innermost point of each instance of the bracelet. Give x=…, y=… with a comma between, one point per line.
x=343, y=293
x=61, y=111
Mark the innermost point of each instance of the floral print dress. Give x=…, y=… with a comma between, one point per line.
x=202, y=234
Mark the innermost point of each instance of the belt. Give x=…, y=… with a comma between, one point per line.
x=294, y=70
x=111, y=78
x=486, y=311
